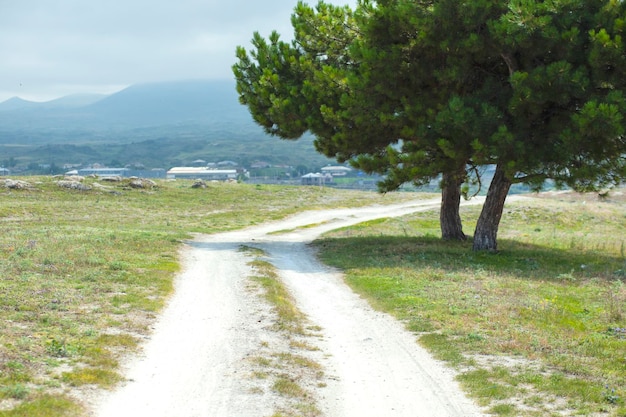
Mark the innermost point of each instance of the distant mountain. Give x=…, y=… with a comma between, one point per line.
x=16, y=103
x=72, y=101
x=67, y=102
x=201, y=102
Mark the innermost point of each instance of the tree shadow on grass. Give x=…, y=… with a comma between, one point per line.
x=522, y=260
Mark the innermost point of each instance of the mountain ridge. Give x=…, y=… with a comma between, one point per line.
x=137, y=106
x=74, y=100
x=16, y=103
x=71, y=100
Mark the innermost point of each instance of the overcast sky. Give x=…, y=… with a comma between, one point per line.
x=52, y=48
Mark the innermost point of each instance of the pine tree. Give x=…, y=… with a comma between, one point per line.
x=420, y=90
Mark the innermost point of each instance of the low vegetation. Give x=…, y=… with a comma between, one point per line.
x=84, y=273
x=538, y=329
x=286, y=364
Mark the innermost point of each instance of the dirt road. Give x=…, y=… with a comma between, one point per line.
x=196, y=362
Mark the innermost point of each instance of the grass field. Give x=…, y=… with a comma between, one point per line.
x=538, y=329
x=83, y=274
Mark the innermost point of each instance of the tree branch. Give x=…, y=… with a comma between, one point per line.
x=510, y=62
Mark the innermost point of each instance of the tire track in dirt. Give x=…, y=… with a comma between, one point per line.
x=195, y=363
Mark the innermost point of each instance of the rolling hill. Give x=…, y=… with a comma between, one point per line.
x=138, y=106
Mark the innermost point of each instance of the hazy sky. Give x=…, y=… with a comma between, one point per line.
x=52, y=48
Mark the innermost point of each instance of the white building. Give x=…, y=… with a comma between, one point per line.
x=104, y=172
x=336, y=171
x=202, y=173
x=316, y=179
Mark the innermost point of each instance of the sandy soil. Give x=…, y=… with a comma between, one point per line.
x=197, y=361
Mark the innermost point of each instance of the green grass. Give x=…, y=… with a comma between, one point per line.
x=553, y=299
x=91, y=376
x=45, y=406
x=84, y=274
x=288, y=387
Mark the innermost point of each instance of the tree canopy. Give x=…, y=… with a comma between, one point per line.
x=416, y=90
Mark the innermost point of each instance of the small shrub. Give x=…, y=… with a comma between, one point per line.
x=61, y=349
x=610, y=396
x=17, y=392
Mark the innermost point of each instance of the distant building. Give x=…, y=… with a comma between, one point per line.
x=260, y=164
x=105, y=172
x=227, y=163
x=202, y=173
x=137, y=166
x=336, y=171
x=5, y=171
x=316, y=179
x=71, y=166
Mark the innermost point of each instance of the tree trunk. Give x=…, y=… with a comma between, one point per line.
x=486, y=231
x=449, y=217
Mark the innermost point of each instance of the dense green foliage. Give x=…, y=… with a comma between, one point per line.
x=533, y=87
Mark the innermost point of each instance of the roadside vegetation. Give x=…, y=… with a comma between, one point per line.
x=537, y=329
x=85, y=273
x=286, y=365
